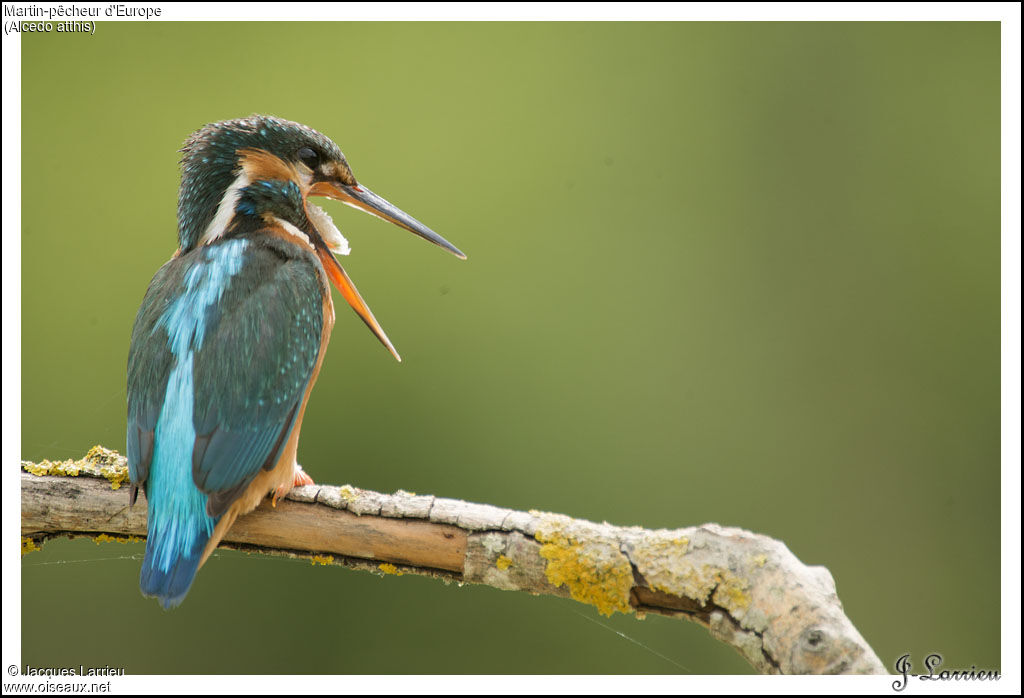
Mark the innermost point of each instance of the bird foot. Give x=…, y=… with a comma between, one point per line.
x=299, y=479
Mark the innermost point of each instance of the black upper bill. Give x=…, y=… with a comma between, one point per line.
x=362, y=198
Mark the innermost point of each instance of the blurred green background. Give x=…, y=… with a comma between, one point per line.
x=733, y=272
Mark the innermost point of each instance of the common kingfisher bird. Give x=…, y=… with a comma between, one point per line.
x=232, y=331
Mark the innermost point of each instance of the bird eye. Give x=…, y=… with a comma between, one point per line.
x=309, y=157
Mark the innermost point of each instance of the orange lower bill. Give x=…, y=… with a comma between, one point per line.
x=349, y=291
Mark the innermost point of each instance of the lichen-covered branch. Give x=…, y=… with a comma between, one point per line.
x=750, y=591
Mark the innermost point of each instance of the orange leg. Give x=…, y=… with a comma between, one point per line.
x=300, y=479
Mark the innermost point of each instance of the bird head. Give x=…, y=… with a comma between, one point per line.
x=265, y=169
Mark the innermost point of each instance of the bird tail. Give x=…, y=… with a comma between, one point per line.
x=170, y=585
x=174, y=552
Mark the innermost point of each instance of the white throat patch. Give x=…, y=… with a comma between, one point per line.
x=336, y=242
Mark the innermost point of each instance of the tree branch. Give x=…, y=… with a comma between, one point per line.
x=748, y=590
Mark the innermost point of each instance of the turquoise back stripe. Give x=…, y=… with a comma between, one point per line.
x=177, y=509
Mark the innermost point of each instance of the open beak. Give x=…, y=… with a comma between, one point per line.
x=358, y=196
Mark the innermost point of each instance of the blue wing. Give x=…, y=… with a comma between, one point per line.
x=222, y=352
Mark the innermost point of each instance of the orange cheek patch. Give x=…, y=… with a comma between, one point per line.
x=260, y=164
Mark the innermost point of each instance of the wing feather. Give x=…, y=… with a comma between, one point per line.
x=252, y=363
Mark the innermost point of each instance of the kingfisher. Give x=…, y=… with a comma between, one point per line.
x=232, y=332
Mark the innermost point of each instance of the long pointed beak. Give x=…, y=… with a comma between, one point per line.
x=358, y=196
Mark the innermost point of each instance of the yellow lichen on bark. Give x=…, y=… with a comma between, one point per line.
x=104, y=538
x=98, y=461
x=706, y=582
x=110, y=464
x=595, y=572
x=663, y=558
x=64, y=468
